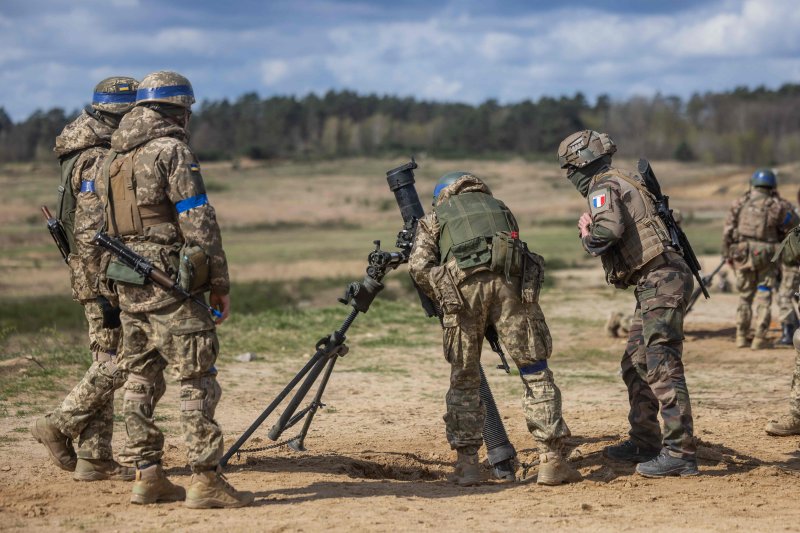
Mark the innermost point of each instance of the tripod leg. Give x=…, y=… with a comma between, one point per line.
x=294, y=403
x=499, y=448
x=271, y=407
x=297, y=444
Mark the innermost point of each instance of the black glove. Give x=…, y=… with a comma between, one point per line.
x=110, y=313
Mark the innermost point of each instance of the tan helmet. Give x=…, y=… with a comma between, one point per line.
x=167, y=88
x=583, y=147
x=115, y=95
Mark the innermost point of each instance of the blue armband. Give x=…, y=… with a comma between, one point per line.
x=533, y=368
x=191, y=203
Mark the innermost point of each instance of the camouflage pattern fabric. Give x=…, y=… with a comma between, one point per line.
x=790, y=279
x=485, y=297
x=166, y=170
x=794, y=393
x=755, y=284
x=651, y=365
x=183, y=337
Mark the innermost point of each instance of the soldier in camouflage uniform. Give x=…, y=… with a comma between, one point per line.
x=86, y=415
x=157, y=204
x=625, y=231
x=757, y=222
x=467, y=256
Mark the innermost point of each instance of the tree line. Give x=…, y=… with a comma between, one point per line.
x=744, y=126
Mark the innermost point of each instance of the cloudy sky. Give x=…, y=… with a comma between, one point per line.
x=52, y=52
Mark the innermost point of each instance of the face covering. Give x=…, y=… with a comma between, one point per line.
x=581, y=181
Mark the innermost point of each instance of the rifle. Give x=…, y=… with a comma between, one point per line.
x=145, y=268
x=705, y=282
x=56, y=230
x=679, y=241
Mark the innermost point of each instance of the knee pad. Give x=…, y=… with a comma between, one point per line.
x=201, y=394
x=140, y=389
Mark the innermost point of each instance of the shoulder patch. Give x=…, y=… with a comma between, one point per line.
x=600, y=200
x=194, y=167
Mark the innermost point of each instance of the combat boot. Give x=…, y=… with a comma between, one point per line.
x=58, y=445
x=759, y=343
x=785, y=427
x=630, y=452
x=98, y=470
x=467, y=471
x=742, y=341
x=152, y=486
x=554, y=469
x=787, y=329
x=613, y=324
x=666, y=465
x=209, y=489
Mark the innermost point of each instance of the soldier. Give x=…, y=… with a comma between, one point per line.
x=157, y=204
x=467, y=256
x=757, y=222
x=86, y=415
x=624, y=230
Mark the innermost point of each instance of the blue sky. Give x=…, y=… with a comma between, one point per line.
x=52, y=52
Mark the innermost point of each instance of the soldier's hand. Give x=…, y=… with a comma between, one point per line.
x=222, y=303
x=583, y=224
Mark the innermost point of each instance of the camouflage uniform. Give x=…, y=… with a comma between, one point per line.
x=158, y=329
x=790, y=279
x=485, y=297
x=757, y=222
x=87, y=413
x=633, y=244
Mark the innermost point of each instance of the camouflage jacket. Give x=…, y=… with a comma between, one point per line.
x=166, y=170
x=91, y=138
x=425, y=254
x=775, y=219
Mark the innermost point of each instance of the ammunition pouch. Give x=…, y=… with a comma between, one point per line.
x=507, y=254
x=789, y=250
x=192, y=268
x=446, y=289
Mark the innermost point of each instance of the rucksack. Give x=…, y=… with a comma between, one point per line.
x=65, y=212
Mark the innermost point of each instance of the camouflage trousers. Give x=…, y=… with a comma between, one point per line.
x=651, y=365
x=755, y=284
x=790, y=279
x=87, y=413
x=182, y=336
x=489, y=299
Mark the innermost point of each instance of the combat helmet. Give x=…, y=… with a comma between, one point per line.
x=448, y=179
x=764, y=177
x=115, y=95
x=583, y=147
x=165, y=87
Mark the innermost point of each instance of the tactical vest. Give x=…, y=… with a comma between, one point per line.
x=124, y=216
x=66, y=199
x=467, y=224
x=759, y=218
x=642, y=240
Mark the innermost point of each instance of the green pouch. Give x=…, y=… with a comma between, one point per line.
x=120, y=272
x=789, y=250
x=506, y=254
x=192, y=268
x=472, y=253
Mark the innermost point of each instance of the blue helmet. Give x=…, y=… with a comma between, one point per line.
x=444, y=181
x=764, y=177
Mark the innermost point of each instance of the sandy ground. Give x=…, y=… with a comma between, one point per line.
x=377, y=458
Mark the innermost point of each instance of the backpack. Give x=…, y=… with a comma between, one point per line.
x=65, y=212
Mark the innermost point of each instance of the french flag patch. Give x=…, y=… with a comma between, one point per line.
x=599, y=201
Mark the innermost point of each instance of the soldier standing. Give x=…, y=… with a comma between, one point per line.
x=157, y=204
x=625, y=231
x=467, y=257
x=757, y=222
x=86, y=416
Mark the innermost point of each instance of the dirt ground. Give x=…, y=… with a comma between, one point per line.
x=377, y=458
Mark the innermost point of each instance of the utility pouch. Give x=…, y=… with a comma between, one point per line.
x=789, y=249
x=472, y=253
x=121, y=272
x=507, y=254
x=532, y=276
x=446, y=290
x=761, y=254
x=192, y=268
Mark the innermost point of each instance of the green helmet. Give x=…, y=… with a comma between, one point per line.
x=448, y=179
x=167, y=88
x=115, y=95
x=584, y=147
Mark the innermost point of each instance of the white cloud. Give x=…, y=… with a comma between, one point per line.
x=273, y=71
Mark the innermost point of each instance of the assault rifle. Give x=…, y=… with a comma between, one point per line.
x=704, y=283
x=359, y=296
x=679, y=241
x=57, y=232
x=145, y=268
